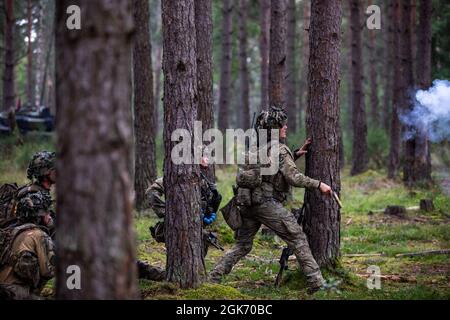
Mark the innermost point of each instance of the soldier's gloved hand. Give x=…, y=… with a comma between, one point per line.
x=207, y=220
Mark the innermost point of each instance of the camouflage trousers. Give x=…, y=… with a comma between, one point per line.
x=17, y=292
x=146, y=271
x=273, y=215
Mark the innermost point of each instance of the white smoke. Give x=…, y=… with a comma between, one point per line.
x=431, y=113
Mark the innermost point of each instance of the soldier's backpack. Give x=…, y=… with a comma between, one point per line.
x=7, y=237
x=8, y=194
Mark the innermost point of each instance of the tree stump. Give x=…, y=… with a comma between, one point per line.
x=395, y=210
x=426, y=205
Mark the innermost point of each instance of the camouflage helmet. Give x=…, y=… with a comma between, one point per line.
x=34, y=205
x=274, y=118
x=40, y=164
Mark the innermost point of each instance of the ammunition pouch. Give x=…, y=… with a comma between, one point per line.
x=249, y=177
x=232, y=215
x=244, y=197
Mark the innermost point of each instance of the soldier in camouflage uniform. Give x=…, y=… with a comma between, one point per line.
x=27, y=252
x=271, y=212
x=210, y=202
x=41, y=171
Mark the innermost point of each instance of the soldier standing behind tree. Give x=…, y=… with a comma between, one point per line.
x=265, y=206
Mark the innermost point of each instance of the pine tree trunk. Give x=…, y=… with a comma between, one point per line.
x=225, y=64
x=30, y=83
x=157, y=85
x=388, y=66
x=277, y=65
x=264, y=40
x=422, y=157
x=322, y=217
x=408, y=85
x=204, y=29
x=303, y=81
x=185, y=265
x=373, y=78
x=394, y=151
x=9, y=94
x=291, y=74
x=95, y=221
x=144, y=115
x=359, y=150
x=243, y=68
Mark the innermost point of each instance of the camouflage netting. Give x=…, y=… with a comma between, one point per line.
x=40, y=164
x=34, y=205
x=274, y=118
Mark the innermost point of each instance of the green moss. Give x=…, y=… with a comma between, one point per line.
x=210, y=291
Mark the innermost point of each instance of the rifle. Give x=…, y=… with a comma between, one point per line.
x=212, y=240
x=287, y=252
x=212, y=204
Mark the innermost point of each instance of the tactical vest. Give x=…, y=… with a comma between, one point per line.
x=254, y=188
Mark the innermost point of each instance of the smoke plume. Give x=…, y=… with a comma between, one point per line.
x=431, y=113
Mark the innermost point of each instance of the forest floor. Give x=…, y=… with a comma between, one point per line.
x=365, y=229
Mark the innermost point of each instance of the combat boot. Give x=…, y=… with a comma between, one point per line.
x=315, y=282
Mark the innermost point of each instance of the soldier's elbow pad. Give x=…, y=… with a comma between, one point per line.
x=27, y=268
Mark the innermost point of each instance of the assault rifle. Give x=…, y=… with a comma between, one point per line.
x=212, y=240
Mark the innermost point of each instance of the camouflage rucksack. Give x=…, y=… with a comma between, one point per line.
x=8, y=194
x=7, y=237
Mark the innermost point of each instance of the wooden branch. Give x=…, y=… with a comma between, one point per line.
x=350, y=255
x=423, y=253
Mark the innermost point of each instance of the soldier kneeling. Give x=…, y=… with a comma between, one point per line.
x=210, y=202
x=27, y=252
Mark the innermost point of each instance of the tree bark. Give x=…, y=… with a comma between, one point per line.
x=185, y=265
x=9, y=94
x=144, y=110
x=95, y=221
x=359, y=150
x=388, y=66
x=243, y=68
x=374, y=111
x=394, y=151
x=157, y=86
x=422, y=157
x=277, y=65
x=264, y=39
x=225, y=64
x=407, y=76
x=204, y=31
x=322, y=216
x=291, y=75
x=303, y=94
x=30, y=79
